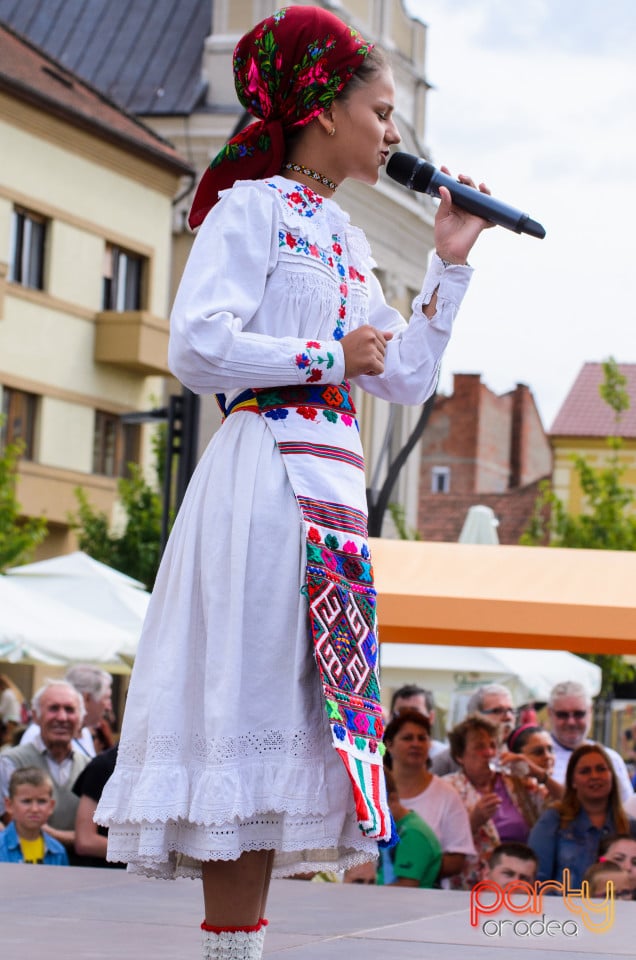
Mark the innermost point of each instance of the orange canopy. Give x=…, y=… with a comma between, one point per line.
x=506, y=596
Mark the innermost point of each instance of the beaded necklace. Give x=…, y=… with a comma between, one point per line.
x=299, y=168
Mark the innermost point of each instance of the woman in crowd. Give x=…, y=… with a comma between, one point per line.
x=408, y=739
x=567, y=835
x=416, y=859
x=535, y=746
x=499, y=807
x=620, y=848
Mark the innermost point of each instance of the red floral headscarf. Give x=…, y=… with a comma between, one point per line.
x=287, y=70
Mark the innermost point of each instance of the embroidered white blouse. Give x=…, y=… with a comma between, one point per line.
x=275, y=265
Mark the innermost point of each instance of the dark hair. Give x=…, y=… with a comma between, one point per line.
x=458, y=736
x=412, y=690
x=405, y=716
x=512, y=848
x=520, y=736
x=373, y=64
x=606, y=842
x=570, y=805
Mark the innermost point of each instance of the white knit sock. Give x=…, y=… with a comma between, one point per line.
x=233, y=944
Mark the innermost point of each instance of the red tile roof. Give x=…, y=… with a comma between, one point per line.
x=584, y=412
x=27, y=73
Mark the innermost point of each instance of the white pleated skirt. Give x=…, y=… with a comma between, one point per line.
x=225, y=744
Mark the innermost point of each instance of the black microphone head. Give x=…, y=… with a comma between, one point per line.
x=410, y=171
x=401, y=166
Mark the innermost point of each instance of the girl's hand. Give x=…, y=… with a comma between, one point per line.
x=364, y=350
x=456, y=230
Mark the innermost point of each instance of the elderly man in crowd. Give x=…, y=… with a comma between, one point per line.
x=59, y=710
x=95, y=686
x=494, y=703
x=570, y=714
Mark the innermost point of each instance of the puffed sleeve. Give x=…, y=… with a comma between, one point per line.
x=413, y=356
x=222, y=288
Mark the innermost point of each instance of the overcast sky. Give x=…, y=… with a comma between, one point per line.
x=538, y=99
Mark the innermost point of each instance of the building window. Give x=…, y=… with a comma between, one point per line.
x=115, y=445
x=440, y=480
x=123, y=279
x=18, y=419
x=28, y=240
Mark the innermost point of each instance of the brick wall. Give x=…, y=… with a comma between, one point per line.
x=496, y=451
x=442, y=516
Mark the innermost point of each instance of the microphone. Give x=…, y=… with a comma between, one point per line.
x=417, y=174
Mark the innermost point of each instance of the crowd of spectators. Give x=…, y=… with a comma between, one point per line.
x=52, y=771
x=504, y=799
x=538, y=800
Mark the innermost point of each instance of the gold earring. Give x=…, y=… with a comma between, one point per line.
x=332, y=131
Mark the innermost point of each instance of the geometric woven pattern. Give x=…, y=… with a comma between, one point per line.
x=318, y=438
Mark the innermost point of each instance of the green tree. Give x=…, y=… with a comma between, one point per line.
x=398, y=515
x=606, y=522
x=18, y=536
x=136, y=550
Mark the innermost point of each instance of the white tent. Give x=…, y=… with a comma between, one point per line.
x=451, y=672
x=70, y=608
x=47, y=631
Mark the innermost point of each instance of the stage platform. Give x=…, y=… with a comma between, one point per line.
x=91, y=914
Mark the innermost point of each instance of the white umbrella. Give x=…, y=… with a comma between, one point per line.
x=480, y=526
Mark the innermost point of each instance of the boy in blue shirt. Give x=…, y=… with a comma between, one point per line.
x=30, y=804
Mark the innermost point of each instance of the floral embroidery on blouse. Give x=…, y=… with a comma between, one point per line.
x=332, y=258
x=356, y=275
x=313, y=360
x=301, y=200
x=302, y=245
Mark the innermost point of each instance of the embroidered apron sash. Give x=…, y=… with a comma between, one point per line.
x=316, y=431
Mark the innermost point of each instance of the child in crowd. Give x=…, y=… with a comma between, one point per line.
x=30, y=804
x=600, y=875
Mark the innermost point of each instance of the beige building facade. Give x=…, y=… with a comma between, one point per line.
x=85, y=260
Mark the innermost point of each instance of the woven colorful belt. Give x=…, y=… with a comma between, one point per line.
x=245, y=401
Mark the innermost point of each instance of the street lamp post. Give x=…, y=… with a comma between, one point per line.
x=182, y=418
